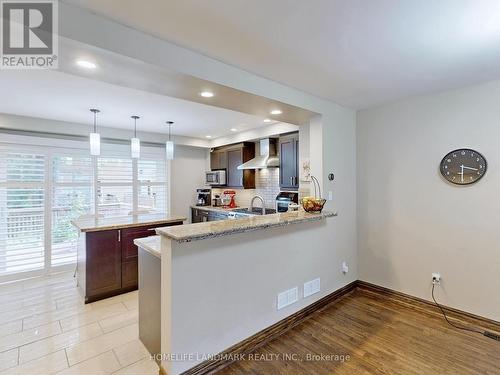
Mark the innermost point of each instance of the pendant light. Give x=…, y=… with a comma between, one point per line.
x=135, y=143
x=95, y=138
x=169, y=145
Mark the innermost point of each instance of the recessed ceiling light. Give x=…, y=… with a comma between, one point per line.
x=276, y=112
x=267, y=120
x=86, y=64
x=207, y=94
x=233, y=129
x=208, y=136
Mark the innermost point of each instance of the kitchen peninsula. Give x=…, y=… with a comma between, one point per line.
x=107, y=255
x=220, y=280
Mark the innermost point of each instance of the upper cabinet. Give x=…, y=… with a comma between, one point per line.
x=228, y=158
x=289, y=161
x=218, y=159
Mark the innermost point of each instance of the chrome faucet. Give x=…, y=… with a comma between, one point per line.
x=262, y=201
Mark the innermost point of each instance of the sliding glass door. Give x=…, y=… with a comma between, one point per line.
x=22, y=211
x=43, y=189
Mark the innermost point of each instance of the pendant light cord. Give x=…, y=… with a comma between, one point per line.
x=135, y=117
x=169, y=123
x=95, y=112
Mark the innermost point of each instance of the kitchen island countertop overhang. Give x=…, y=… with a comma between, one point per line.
x=92, y=224
x=220, y=280
x=206, y=230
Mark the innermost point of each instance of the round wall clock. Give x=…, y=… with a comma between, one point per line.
x=463, y=166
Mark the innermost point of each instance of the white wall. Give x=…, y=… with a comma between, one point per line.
x=187, y=173
x=238, y=278
x=413, y=223
x=332, y=134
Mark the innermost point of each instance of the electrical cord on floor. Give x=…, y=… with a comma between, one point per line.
x=488, y=334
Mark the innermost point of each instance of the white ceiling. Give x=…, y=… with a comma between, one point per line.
x=65, y=97
x=359, y=53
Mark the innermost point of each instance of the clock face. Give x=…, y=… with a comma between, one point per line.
x=463, y=166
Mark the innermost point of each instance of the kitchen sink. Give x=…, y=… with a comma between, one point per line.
x=254, y=211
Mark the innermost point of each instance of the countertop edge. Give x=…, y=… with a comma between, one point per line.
x=150, y=244
x=127, y=225
x=255, y=227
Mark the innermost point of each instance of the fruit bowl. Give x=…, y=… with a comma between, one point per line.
x=313, y=205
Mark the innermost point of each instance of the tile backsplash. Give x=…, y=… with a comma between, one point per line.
x=267, y=185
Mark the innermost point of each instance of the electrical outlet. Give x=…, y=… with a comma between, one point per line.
x=288, y=297
x=436, y=278
x=330, y=195
x=345, y=268
x=312, y=287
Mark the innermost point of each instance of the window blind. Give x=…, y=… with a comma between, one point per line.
x=152, y=184
x=71, y=197
x=22, y=200
x=43, y=189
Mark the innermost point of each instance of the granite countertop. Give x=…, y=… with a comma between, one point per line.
x=211, y=229
x=151, y=244
x=217, y=208
x=97, y=224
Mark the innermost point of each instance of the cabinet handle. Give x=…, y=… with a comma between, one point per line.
x=119, y=235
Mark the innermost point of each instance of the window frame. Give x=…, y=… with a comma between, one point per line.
x=52, y=147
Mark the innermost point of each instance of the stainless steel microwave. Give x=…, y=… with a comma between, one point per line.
x=214, y=178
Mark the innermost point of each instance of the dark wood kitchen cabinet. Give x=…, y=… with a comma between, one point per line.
x=108, y=260
x=103, y=262
x=218, y=159
x=199, y=215
x=228, y=158
x=289, y=161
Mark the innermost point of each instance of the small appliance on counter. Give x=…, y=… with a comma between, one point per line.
x=204, y=196
x=215, y=178
x=284, y=198
x=217, y=200
x=229, y=198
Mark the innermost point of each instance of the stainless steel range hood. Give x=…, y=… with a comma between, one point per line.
x=267, y=159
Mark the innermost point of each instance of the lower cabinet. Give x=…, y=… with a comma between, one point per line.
x=110, y=264
x=200, y=215
x=103, y=263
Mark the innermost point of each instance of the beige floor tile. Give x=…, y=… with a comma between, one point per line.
x=27, y=312
x=92, y=316
x=8, y=288
x=49, y=317
x=46, y=365
x=91, y=348
x=39, y=296
x=132, y=304
x=131, y=296
x=143, y=367
x=103, y=364
x=61, y=341
x=10, y=328
x=131, y=352
x=9, y=306
x=60, y=278
x=72, y=301
x=28, y=336
x=9, y=359
x=119, y=321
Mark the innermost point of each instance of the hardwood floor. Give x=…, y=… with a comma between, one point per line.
x=367, y=333
x=46, y=329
